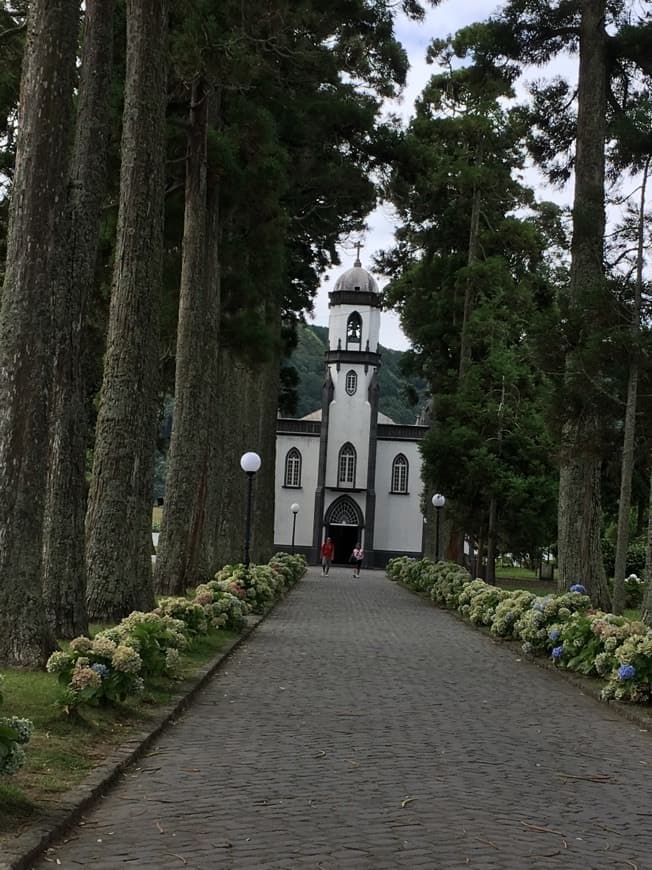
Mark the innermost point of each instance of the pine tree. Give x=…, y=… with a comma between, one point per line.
x=38, y=198
x=469, y=280
x=118, y=521
x=64, y=568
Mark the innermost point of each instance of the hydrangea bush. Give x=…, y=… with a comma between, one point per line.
x=118, y=661
x=562, y=626
x=14, y=734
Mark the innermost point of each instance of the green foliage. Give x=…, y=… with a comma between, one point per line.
x=14, y=734
x=472, y=300
x=635, y=559
x=308, y=362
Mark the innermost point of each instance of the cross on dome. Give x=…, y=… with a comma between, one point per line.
x=358, y=246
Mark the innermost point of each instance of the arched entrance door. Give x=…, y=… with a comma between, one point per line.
x=344, y=524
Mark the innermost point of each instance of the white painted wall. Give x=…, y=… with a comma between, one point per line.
x=308, y=446
x=337, y=318
x=349, y=420
x=399, y=521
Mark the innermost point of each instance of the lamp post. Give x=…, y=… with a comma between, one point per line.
x=295, y=510
x=250, y=463
x=438, y=501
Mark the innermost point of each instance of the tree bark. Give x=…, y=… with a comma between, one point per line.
x=186, y=489
x=474, y=239
x=234, y=439
x=627, y=466
x=208, y=560
x=37, y=211
x=118, y=520
x=267, y=384
x=646, y=606
x=64, y=569
x=580, y=509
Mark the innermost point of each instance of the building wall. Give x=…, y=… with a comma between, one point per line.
x=399, y=521
x=337, y=320
x=349, y=420
x=304, y=496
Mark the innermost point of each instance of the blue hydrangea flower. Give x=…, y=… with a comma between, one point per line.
x=577, y=587
x=100, y=669
x=554, y=634
x=557, y=652
x=626, y=672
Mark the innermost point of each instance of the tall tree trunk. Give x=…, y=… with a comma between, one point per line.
x=118, y=520
x=64, y=568
x=474, y=243
x=37, y=212
x=266, y=386
x=493, y=502
x=234, y=438
x=646, y=606
x=208, y=559
x=186, y=490
x=580, y=508
x=627, y=467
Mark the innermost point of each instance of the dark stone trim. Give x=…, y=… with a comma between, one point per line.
x=371, y=466
x=285, y=486
x=354, y=297
x=346, y=488
x=382, y=557
x=401, y=432
x=289, y=426
x=396, y=492
x=364, y=358
x=318, y=517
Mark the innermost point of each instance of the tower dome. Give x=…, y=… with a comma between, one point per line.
x=357, y=280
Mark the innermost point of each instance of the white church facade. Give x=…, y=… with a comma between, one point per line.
x=354, y=473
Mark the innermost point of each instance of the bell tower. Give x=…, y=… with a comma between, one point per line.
x=347, y=456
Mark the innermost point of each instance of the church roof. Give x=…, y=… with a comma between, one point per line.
x=316, y=415
x=357, y=279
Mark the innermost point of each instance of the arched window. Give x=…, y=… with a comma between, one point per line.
x=343, y=513
x=351, y=384
x=354, y=329
x=346, y=466
x=400, y=474
x=293, y=468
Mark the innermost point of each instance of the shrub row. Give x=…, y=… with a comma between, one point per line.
x=14, y=733
x=118, y=661
x=562, y=626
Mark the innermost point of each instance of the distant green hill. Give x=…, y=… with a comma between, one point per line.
x=308, y=360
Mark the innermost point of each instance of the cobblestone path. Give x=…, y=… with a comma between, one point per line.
x=359, y=727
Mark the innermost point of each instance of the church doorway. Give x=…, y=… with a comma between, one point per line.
x=344, y=524
x=345, y=538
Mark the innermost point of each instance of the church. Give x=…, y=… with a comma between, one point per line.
x=349, y=472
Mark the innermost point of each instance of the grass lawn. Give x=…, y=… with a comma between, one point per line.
x=64, y=748
x=157, y=516
x=516, y=574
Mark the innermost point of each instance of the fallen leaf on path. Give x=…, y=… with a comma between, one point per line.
x=320, y=754
x=406, y=801
x=160, y=827
x=540, y=829
x=488, y=842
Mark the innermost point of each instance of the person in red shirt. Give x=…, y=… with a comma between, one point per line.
x=327, y=553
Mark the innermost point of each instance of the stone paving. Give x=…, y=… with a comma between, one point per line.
x=359, y=727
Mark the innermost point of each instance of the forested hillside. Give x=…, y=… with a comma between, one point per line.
x=308, y=360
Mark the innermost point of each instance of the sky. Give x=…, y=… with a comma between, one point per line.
x=415, y=37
